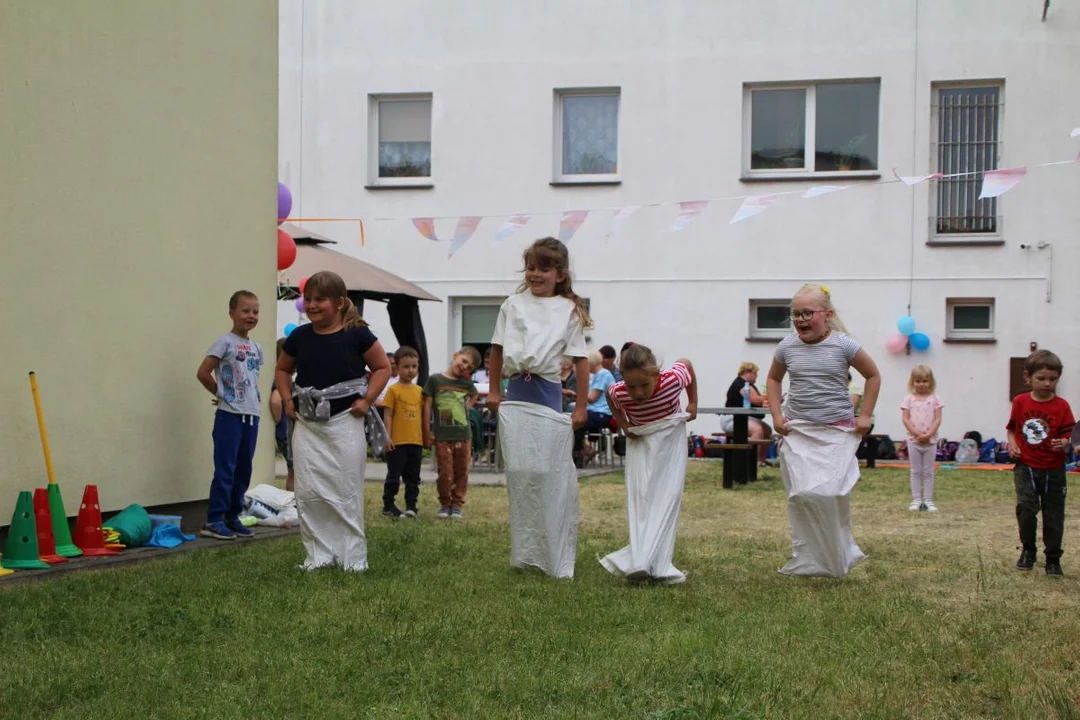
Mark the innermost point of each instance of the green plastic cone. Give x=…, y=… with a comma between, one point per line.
x=21, y=550
x=61, y=530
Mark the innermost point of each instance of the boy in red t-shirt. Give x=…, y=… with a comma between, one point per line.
x=1039, y=429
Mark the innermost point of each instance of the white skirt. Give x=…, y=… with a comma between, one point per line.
x=329, y=459
x=655, y=473
x=818, y=465
x=541, y=482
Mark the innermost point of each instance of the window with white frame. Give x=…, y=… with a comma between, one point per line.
x=587, y=135
x=400, y=128
x=970, y=318
x=770, y=319
x=800, y=129
x=967, y=135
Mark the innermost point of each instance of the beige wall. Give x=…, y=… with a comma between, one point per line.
x=138, y=155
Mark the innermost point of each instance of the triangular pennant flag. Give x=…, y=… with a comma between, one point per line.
x=819, y=190
x=620, y=217
x=466, y=226
x=999, y=182
x=571, y=221
x=426, y=226
x=688, y=212
x=753, y=205
x=910, y=180
x=511, y=226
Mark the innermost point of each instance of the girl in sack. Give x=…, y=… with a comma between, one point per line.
x=646, y=403
x=821, y=432
x=340, y=370
x=535, y=328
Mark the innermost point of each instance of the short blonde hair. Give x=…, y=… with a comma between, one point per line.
x=595, y=358
x=472, y=353
x=921, y=372
x=747, y=367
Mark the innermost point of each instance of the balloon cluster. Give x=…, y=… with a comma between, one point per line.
x=286, y=246
x=897, y=342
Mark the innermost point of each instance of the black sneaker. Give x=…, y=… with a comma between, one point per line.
x=410, y=512
x=1053, y=568
x=393, y=512
x=1027, y=561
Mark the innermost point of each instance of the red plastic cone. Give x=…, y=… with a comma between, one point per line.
x=88, y=534
x=46, y=543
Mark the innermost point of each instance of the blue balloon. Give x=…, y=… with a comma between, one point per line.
x=292, y=326
x=906, y=325
x=920, y=342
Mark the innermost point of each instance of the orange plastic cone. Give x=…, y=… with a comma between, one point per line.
x=46, y=543
x=88, y=534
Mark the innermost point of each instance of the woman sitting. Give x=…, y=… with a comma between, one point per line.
x=741, y=389
x=599, y=414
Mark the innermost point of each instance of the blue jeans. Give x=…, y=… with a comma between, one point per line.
x=234, y=447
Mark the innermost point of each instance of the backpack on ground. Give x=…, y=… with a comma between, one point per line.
x=946, y=451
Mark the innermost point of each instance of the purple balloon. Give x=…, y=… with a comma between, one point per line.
x=284, y=202
x=300, y=304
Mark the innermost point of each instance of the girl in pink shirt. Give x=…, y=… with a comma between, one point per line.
x=922, y=418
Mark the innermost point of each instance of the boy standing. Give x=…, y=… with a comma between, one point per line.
x=230, y=371
x=1039, y=429
x=402, y=405
x=448, y=398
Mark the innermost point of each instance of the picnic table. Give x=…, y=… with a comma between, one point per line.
x=740, y=461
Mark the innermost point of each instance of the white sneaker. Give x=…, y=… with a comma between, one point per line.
x=929, y=506
x=914, y=506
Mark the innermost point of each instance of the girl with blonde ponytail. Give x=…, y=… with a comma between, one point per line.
x=821, y=431
x=335, y=354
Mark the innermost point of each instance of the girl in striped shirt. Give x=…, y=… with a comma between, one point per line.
x=646, y=405
x=645, y=394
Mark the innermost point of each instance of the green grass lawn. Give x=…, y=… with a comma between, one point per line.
x=936, y=622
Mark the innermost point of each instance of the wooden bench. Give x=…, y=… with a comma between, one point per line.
x=740, y=472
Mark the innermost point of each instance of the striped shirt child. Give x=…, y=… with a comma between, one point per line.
x=665, y=400
x=819, y=377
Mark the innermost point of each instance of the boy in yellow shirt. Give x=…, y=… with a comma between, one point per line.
x=403, y=405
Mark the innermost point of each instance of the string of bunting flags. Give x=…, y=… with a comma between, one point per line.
x=994, y=184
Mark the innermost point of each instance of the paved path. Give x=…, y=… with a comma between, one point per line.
x=376, y=472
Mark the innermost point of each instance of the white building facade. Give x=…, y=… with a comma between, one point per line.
x=395, y=110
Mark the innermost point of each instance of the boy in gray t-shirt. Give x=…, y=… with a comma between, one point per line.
x=230, y=371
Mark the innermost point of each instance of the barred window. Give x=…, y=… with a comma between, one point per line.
x=968, y=133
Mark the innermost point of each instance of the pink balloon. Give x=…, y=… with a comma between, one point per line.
x=896, y=343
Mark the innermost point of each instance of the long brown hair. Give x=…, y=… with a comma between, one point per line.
x=329, y=284
x=547, y=254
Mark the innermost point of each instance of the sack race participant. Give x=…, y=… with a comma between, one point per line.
x=821, y=433
x=646, y=406
x=333, y=407
x=535, y=328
